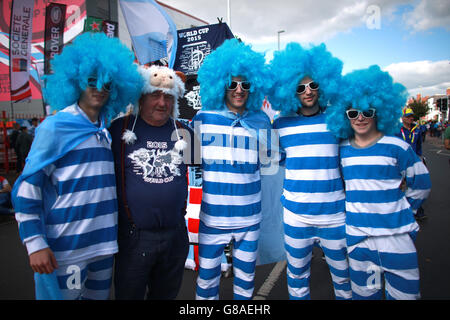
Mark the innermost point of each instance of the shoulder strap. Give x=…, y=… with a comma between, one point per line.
x=179, y=125
x=122, y=168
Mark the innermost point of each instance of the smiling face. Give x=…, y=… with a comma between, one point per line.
x=309, y=98
x=156, y=108
x=364, y=127
x=236, y=99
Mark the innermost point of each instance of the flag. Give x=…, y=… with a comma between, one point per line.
x=110, y=28
x=47, y=287
x=267, y=108
x=21, y=33
x=55, y=20
x=152, y=31
x=92, y=24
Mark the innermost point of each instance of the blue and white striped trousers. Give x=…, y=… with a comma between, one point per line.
x=86, y=280
x=212, y=242
x=299, y=240
x=395, y=257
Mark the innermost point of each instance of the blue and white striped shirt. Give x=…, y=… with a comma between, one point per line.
x=376, y=206
x=71, y=205
x=231, y=171
x=313, y=188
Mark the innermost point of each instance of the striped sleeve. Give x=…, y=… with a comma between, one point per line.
x=29, y=209
x=418, y=183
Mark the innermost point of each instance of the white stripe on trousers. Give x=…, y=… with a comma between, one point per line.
x=87, y=280
x=299, y=241
x=212, y=243
x=395, y=257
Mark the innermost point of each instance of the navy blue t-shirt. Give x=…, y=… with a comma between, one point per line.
x=155, y=174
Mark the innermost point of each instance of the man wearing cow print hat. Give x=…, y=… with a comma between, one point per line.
x=152, y=150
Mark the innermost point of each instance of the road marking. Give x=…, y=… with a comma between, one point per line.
x=443, y=154
x=271, y=280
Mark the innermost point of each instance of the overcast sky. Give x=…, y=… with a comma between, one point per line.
x=410, y=39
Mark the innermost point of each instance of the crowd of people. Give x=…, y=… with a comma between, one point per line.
x=21, y=139
x=91, y=194
x=435, y=128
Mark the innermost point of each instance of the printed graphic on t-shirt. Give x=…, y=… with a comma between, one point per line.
x=156, y=165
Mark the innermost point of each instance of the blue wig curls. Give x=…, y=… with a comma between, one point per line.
x=290, y=66
x=232, y=59
x=93, y=54
x=368, y=88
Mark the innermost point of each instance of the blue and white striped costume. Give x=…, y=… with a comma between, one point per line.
x=380, y=225
x=69, y=202
x=314, y=202
x=231, y=203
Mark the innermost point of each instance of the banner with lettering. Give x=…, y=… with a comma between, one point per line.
x=110, y=28
x=75, y=16
x=55, y=19
x=194, y=44
x=21, y=32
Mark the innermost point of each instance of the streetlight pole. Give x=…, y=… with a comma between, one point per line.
x=229, y=13
x=281, y=31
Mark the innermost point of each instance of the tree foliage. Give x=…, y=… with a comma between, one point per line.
x=419, y=107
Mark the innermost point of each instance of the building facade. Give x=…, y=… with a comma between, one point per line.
x=107, y=10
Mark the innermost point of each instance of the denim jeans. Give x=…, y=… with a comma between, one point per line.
x=150, y=263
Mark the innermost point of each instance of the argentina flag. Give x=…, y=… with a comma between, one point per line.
x=152, y=31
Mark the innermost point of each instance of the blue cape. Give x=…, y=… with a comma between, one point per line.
x=252, y=121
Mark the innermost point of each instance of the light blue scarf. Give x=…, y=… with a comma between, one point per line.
x=252, y=121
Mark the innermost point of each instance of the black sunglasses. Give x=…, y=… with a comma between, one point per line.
x=92, y=83
x=245, y=85
x=312, y=85
x=354, y=114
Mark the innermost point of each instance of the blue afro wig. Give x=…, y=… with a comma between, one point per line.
x=93, y=54
x=290, y=66
x=232, y=59
x=368, y=88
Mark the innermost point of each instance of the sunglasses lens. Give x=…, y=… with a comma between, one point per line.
x=301, y=88
x=92, y=82
x=232, y=85
x=107, y=86
x=352, y=114
x=369, y=113
x=246, y=85
x=314, y=85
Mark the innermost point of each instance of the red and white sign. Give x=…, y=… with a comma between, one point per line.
x=75, y=16
x=20, y=36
